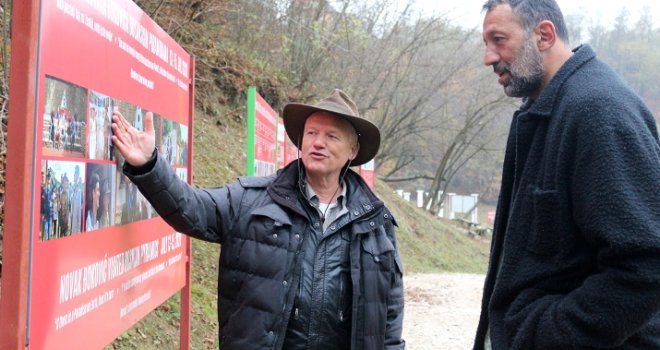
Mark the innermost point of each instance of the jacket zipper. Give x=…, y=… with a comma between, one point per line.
x=341, y=299
x=300, y=283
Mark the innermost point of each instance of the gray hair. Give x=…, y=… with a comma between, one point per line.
x=531, y=12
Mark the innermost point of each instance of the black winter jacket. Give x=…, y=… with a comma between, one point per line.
x=575, y=257
x=261, y=224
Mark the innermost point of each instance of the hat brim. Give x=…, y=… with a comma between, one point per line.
x=294, y=116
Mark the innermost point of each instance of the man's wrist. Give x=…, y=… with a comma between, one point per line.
x=144, y=168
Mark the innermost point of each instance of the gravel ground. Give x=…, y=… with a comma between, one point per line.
x=442, y=310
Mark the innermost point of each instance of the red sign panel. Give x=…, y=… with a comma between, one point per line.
x=367, y=172
x=101, y=259
x=287, y=151
x=290, y=152
x=265, y=157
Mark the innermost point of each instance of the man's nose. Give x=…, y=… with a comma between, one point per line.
x=490, y=56
x=318, y=141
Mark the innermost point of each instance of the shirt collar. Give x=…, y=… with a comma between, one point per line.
x=314, y=198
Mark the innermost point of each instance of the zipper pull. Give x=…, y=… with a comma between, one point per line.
x=295, y=313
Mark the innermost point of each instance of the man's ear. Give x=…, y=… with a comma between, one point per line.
x=546, y=35
x=354, y=151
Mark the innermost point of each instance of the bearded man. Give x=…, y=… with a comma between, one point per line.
x=575, y=252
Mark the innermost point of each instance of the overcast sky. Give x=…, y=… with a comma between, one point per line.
x=467, y=13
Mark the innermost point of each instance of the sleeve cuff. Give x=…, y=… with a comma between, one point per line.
x=142, y=169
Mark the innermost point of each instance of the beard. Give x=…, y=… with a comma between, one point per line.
x=526, y=72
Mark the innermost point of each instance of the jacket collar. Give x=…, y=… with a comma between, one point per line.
x=287, y=189
x=545, y=103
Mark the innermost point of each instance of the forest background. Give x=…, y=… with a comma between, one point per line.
x=418, y=76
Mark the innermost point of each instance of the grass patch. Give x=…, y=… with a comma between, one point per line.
x=431, y=244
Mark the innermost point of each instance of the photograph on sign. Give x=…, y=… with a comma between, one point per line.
x=175, y=143
x=158, y=130
x=101, y=108
x=133, y=114
x=64, y=119
x=61, y=199
x=99, y=196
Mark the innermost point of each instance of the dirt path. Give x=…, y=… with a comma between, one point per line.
x=442, y=310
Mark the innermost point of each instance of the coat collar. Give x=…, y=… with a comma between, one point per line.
x=544, y=105
x=286, y=190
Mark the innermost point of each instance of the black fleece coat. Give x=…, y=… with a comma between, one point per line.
x=261, y=224
x=575, y=256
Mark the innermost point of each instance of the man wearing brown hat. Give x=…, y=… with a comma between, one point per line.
x=309, y=256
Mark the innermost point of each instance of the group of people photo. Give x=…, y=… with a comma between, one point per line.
x=61, y=199
x=75, y=197
x=64, y=124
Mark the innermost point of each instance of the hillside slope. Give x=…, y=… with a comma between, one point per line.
x=427, y=244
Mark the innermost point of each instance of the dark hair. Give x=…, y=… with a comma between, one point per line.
x=94, y=179
x=531, y=12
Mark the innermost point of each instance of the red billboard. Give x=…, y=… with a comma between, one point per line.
x=290, y=150
x=98, y=254
x=262, y=136
x=286, y=151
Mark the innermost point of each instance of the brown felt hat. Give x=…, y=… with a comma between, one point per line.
x=338, y=103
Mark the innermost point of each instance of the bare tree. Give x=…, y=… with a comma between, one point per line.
x=406, y=72
x=464, y=144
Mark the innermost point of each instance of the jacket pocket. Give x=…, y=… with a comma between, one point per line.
x=274, y=212
x=544, y=237
x=268, y=223
x=379, y=249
